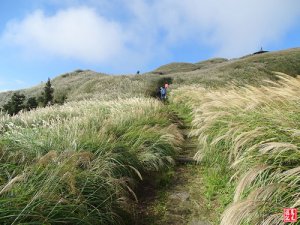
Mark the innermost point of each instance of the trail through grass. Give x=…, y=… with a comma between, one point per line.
x=249, y=137
x=180, y=197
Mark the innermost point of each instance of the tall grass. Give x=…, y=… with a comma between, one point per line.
x=255, y=133
x=79, y=163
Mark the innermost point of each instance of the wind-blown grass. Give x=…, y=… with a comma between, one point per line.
x=79, y=163
x=254, y=133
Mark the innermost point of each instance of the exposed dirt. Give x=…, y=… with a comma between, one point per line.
x=180, y=201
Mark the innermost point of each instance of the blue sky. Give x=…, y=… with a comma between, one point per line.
x=46, y=38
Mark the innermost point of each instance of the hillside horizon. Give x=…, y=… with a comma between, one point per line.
x=86, y=84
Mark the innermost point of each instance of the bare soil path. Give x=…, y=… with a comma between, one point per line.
x=181, y=201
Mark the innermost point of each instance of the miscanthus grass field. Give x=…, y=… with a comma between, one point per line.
x=80, y=163
x=249, y=142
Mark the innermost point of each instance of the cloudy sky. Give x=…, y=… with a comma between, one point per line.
x=45, y=38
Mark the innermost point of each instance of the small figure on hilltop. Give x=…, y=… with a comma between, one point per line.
x=138, y=72
x=260, y=51
x=163, y=93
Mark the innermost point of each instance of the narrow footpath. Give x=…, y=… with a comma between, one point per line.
x=181, y=201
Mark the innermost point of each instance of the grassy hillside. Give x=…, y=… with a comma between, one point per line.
x=249, y=70
x=249, y=144
x=80, y=163
x=217, y=72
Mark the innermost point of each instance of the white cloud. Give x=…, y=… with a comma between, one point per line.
x=78, y=33
x=137, y=31
x=233, y=27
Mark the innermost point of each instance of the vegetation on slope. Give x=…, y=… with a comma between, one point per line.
x=176, y=68
x=17, y=102
x=249, y=70
x=249, y=139
x=79, y=163
x=217, y=72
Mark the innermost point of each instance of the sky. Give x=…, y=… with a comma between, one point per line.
x=41, y=39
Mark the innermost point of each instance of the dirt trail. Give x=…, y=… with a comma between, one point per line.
x=181, y=201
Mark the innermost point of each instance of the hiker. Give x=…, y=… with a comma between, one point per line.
x=166, y=85
x=163, y=93
x=138, y=72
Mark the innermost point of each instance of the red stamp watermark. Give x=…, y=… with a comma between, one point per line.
x=290, y=215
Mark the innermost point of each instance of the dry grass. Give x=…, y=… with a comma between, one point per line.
x=82, y=160
x=256, y=129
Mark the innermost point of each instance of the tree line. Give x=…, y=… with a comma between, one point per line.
x=17, y=101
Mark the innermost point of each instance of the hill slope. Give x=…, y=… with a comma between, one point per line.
x=217, y=72
x=84, y=162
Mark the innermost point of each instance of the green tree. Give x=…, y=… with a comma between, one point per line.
x=48, y=94
x=40, y=100
x=31, y=103
x=15, y=105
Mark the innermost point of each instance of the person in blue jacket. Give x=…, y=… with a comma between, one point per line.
x=163, y=93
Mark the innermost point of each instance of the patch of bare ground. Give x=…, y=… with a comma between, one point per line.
x=179, y=202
